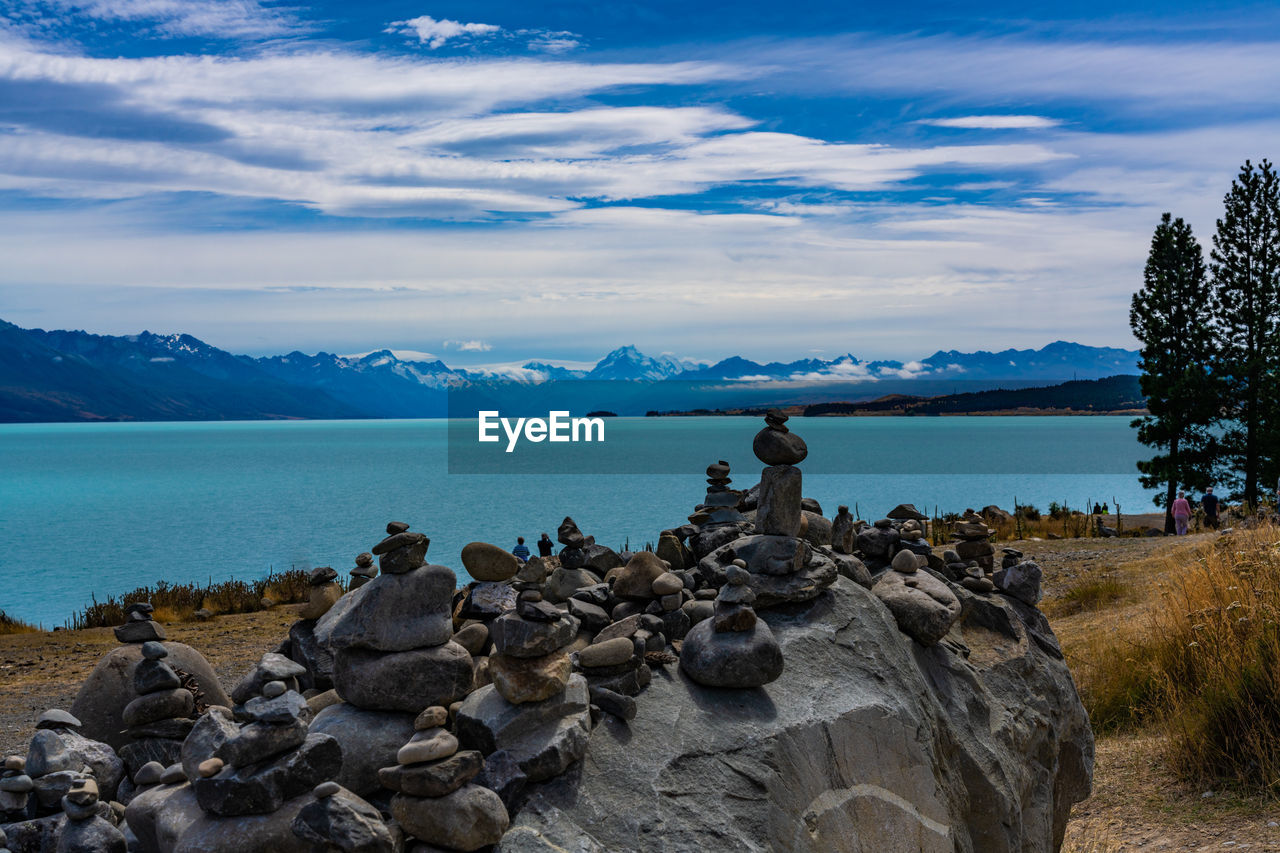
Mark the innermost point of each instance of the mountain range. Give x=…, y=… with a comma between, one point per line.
x=79, y=376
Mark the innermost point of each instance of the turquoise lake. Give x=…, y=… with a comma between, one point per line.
x=100, y=509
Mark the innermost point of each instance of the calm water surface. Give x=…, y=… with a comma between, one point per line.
x=99, y=509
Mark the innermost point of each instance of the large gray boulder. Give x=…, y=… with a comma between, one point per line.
x=868, y=742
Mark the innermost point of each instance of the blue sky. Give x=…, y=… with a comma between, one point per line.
x=496, y=181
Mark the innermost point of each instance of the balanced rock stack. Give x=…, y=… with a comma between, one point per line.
x=434, y=799
x=967, y=572
x=325, y=592
x=86, y=830
x=533, y=720
x=392, y=649
x=717, y=518
x=162, y=715
x=364, y=571
x=574, y=572
x=529, y=663
x=138, y=626
x=267, y=760
x=734, y=648
x=783, y=566
x=843, y=532
x=974, y=541
x=491, y=593
x=393, y=655
x=17, y=791
x=111, y=687
x=924, y=607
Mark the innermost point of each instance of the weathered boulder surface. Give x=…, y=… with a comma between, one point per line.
x=867, y=742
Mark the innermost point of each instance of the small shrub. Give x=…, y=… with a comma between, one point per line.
x=9, y=625
x=179, y=602
x=1092, y=592
x=1029, y=513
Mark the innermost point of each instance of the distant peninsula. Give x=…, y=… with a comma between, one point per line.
x=1113, y=395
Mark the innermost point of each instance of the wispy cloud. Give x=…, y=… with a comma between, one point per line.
x=435, y=33
x=218, y=19
x=994, y=122
x=468, y=346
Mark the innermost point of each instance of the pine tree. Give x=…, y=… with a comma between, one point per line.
x=1246, y=282
x=1171, y=315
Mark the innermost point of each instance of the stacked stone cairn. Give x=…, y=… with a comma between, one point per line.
x=734, y=648
x=163, y=713
x=87, y=829
x=843, y=531
x=718, y=519
x=491, y=594
x=325, y=592
x=435, y=800
x=364, y=571
x=17, y=791
x=138, y=626
x=575, y=571
x=784, y=567
x=533, y=719
x=393, y=656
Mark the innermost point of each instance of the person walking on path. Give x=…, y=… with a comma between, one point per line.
x=1209, y=503
x=1181, y=513
x=521, y=550
x=545, y=546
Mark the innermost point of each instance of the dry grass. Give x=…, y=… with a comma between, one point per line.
x=9, y=625
x=1090, y=593
x=179, y=602
x=1199, y=664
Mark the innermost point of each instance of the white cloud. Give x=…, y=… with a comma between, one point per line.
x=994, y=122
x=435, y=33
x=468, y=346
x=226, y=19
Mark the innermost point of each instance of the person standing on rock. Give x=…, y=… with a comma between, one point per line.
x=521, y=550
x=545, y=546
x=1181, y=513
x=1209, y=503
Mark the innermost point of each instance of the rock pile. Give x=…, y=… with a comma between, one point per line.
x=718, y=518
x=86, y=829
x=733, y=648
x=325, y=592
x=110, y=688
x=783, y=566
x=138, y=626
x=575, y=570
x=364, y=571
x=393, y=655
x=17, y=791
x=974, y=541
x=161, y=716
x=435, y=800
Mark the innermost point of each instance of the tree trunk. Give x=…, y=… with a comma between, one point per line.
x=1172, y=492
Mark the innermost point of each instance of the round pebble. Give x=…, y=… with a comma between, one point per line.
x=667, y=584
x=432, y=718
x=154, y=650
x=906, y=563
x=272, y=689
x=326, y=789
x=15, y=762
x=209, y=767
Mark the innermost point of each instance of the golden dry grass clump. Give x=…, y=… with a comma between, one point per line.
x=179, y=602
x=1203, y=665
x=9, y=625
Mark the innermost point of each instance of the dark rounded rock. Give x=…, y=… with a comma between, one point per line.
x=737, y=659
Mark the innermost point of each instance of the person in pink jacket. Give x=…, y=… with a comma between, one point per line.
x=1181, y=513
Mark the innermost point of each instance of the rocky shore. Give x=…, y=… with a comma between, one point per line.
x=766, y=679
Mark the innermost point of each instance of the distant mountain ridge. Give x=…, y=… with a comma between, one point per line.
x=77, y=376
